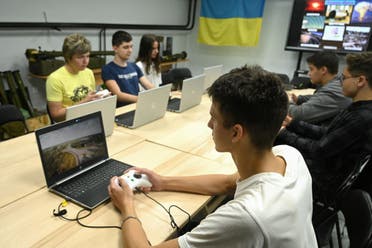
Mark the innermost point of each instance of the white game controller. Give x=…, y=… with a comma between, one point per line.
x=135, y=179
x=103, y=93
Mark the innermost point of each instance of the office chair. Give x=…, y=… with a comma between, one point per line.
x=326, y=208
x=176, y=77
x=12, y=122
x=356, y=207
x=285, y=81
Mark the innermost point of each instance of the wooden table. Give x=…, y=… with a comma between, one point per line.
x=29, y=221
x=21, y=166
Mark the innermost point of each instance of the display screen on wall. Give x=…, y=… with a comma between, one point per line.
x=340, y=25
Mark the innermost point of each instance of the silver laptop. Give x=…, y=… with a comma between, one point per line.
x=75, y=160
x=192, y=92
x=211, y=74
x=106, y=105
x=151, y=105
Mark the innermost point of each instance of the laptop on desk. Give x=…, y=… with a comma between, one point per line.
x=211, y=74
x=151, y=105
x=106, y=105
x=75, y=160
x=192, y=92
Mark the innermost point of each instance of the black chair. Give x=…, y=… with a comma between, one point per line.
x=326, y=208
x=50, y=117
x=356, y=207
x=12, y=122
x=176, y=76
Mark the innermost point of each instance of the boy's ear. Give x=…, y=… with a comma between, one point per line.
x=238, y=132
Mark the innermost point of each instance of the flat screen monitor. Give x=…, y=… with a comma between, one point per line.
x=342, y=26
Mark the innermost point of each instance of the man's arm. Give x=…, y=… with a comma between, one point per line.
x=58, y=112
x=132, y=231
x=212, y=184
x=113, y=87
x=323, y=105
x=146, y=83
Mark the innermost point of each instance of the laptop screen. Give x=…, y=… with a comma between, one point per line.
x=69, y=147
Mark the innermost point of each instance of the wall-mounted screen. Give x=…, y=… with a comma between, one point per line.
x=340, y=25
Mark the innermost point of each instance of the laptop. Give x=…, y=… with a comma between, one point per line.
x=106, y=105
x=151, y=105
x=211, y=74
x=192, y=92
x=75, y=160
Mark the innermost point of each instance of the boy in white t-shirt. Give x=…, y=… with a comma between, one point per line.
x=272, y=204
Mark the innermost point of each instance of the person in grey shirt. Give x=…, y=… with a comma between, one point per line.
x=328, y=99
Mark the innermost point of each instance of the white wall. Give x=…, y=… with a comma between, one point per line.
x=269, y=53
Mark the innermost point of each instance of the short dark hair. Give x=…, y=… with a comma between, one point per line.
x=360, y=64
x=327, y=59
x=121, y=36
x=254, y=98
x=145, y=50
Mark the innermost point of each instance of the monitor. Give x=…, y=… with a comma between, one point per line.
x=342, y=26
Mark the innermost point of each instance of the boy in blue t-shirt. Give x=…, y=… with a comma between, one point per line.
x=120, y=76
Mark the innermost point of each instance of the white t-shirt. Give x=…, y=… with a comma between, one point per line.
x=153, y=77
x=268, y=210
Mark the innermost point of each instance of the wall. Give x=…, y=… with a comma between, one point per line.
x=269, y=53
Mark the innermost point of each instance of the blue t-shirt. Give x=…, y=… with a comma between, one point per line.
x=126, y=77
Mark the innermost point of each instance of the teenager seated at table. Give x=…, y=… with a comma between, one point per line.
x=272, y=205
x=120, y=76
x=148, y=59
x=330, y=152
x=327, y=100
x=73, y=83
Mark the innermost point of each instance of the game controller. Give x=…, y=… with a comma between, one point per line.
x=103, y=93
x=135, y=179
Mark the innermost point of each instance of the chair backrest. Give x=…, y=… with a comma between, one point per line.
x=356, y=207
x=348, y=182
x=176, y=76
x=12, y=122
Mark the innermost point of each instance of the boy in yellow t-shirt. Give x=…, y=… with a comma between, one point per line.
x=73, y=83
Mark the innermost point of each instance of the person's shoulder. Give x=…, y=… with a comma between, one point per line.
x=291, y=155
x=109, y=64
x=59, y=71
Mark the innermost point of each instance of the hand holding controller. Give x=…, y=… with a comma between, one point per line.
x=134, y=179
x=103, y=93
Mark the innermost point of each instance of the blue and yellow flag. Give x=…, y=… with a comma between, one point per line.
x=230, y=22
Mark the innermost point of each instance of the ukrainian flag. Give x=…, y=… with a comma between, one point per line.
x=230, y=22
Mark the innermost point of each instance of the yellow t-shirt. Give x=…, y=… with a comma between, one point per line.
x=62, y=86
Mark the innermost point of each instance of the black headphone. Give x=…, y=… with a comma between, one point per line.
x=60, y=212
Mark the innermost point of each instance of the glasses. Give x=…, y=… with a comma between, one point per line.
x=343, y=77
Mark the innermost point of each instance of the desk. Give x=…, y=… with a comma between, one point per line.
x=29, y=220
x=186, y=131
x=21, y=169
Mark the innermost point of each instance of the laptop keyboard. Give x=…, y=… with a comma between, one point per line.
x=174, y=103
x=125, y=119
x=93, y=179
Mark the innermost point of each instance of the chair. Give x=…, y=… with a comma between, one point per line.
x=176, y=77
x=326, y=209
x=12, y=122
x=356, y=207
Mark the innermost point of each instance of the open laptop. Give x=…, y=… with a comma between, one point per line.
x=75, y=160
x=106, y=105
x=151, y=105
x=211, y=74
x=192, y=91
